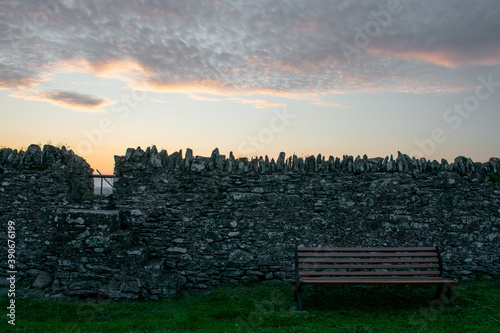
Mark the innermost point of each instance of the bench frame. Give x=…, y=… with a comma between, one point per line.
x=370, y=266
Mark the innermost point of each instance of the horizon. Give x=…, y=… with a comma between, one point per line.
x=253, y=78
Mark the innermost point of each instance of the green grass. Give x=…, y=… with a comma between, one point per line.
x=270, y=308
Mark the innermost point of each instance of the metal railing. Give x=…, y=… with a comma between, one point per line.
x=104, y=178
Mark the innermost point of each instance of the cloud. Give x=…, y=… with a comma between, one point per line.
x=442, y=56
x=13, y=77
x=320, y=102
x=258, y=103
x=449, y=34
x=236, y=49
x=200, y=97
x=66, y=99
x=74, y=99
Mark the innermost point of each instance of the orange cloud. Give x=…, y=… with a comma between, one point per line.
x=448, y=58
x=325, y=62
x=204, y=98
x=22, y=81
x=115, y=68
x=140, y=78
x=17, y=84
x=319, y=102
x=258, y=103
x=195, y=91
x=210, y=87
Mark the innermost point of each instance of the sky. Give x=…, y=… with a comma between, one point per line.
x=252, y=77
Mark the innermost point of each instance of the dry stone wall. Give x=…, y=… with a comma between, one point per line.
x=216, y=220
x=33, y=186
x=181, y=222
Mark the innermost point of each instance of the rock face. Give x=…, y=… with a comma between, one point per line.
x=199, y=222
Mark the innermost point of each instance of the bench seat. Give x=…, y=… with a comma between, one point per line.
x=370, y=266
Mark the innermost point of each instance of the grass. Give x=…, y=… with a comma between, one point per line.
x=264, y=307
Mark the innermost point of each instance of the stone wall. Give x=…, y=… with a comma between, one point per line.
x=216, y=220
x=181, y=222
x=33, y=186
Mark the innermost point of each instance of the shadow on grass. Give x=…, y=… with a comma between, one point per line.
x=366, y=298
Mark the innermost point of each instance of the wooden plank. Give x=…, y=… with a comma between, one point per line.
x=358, y=255
x=369, y=266
x=364, y=249
x=373, y=281
x=376, y=279
x=332, y=261
x=370, y=273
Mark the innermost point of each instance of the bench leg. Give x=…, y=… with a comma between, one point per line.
x=439, y=291
x=298, y=297
x=449, y=293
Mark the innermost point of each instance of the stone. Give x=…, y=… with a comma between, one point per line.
x=155, y=159
x=33, y=272
x=492, y=236
x=43, y=280
x=258, y=190
x=280, y=162
x=310, y=164
x=239, y=257
x=132, y=286
x=177, y=249
x=135, y=252
x=188, y=160
x=136, y=212
x=199, y=164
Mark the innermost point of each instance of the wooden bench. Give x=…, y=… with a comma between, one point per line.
x=370, y=266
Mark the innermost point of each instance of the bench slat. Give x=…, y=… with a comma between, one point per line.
x=357, y=255
x=370, y=266
x=370, y=273
x=367, y=249
x=331, y=261
x=378, y=281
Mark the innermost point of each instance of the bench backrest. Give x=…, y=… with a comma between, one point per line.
x=367, y=262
